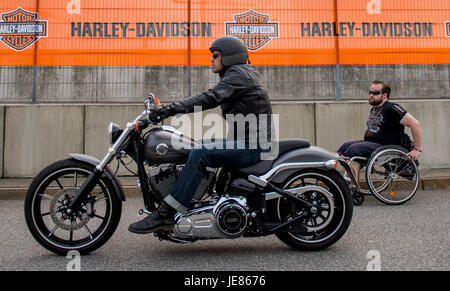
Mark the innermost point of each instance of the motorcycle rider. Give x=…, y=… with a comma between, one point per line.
x=239, y=93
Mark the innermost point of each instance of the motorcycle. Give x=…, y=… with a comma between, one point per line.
x=76, y=203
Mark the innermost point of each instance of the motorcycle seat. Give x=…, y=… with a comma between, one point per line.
x=284, y=146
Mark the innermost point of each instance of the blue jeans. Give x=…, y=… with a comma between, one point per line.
x=358, y=148
x=221, y=153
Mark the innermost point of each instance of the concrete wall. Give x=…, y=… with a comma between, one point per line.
x=293, y=83
x=34, y=136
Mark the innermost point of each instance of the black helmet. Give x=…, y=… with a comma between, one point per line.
x=232, y=48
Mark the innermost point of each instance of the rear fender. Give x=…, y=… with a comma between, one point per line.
x=314, y=155
x=107, y=172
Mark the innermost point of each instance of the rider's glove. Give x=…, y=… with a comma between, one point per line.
x=160, y=113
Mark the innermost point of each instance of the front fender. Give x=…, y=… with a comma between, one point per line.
x=107, y=172
x=311, y=154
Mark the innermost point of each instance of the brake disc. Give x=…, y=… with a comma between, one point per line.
x=59, y=215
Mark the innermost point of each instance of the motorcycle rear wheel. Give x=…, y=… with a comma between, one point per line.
x=335, y=210
x=60, y=232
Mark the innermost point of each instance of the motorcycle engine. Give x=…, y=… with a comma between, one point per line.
x=231, y=218
x=227, y=218
x=162, y=179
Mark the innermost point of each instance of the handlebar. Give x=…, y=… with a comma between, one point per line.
x=142, y=124
x=142, y=121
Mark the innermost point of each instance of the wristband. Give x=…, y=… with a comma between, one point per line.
x=418, y=150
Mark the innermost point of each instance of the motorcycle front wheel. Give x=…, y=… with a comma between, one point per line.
x=333, y=200
x=56, y=229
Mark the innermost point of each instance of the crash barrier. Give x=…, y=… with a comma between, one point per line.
x=33, y=136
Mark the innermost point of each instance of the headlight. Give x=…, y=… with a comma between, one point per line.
x=114, y=131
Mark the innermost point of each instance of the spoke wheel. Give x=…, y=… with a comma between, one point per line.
x=392, y=177
x=333, y=201
x=57, y=229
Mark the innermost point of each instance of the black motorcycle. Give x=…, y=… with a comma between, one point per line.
x=76, y=203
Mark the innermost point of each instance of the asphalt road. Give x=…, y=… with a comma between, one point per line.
x=414, y=236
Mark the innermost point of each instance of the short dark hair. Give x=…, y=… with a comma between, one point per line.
x=386, y=88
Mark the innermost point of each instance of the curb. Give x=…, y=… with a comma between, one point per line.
x=436, y=183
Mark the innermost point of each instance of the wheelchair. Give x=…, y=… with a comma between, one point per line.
x=389, y=175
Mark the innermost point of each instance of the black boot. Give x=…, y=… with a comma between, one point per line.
x=162, y=219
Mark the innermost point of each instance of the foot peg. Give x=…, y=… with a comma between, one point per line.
x=143, y=211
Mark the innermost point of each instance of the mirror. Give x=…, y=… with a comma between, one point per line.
x=151, y=102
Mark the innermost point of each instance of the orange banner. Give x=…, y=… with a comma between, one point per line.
x=179, y=32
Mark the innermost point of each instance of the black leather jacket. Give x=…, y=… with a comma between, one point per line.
x=241, y=97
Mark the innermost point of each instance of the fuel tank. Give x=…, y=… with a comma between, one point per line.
x=165, y=144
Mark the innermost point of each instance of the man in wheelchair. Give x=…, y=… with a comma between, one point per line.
x=385, y=126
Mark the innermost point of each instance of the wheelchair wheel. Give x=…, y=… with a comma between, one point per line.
x=391, y=176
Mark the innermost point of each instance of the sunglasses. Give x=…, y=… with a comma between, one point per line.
x=215, y=56
x=375, y=93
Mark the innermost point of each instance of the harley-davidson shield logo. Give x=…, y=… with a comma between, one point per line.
x=19, y=29
x=253, y=28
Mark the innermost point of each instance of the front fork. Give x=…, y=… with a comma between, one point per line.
x=90, y=182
